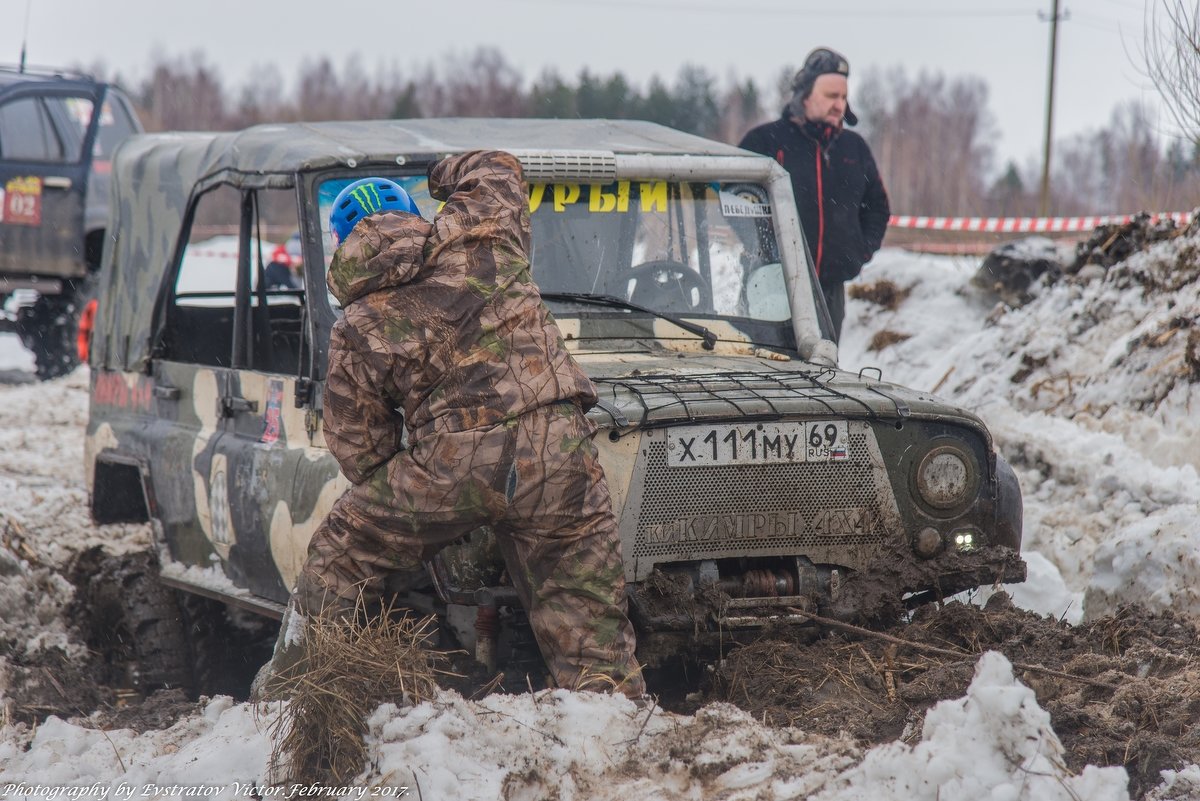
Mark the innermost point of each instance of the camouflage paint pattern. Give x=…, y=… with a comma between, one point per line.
x=443, y=321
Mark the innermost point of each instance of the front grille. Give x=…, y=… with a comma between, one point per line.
x=831, y=512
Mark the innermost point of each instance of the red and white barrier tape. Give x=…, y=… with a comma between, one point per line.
x=212, y=254
x=1032, y=225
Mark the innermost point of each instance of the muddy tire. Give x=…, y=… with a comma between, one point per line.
x=49, y=329
x=227, y=646
x=137, y=624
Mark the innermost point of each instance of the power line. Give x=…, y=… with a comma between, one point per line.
x=942, y=13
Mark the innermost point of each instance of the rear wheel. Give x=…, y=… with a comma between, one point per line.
x=152, y=637
x=50, y=327
x=138, y=625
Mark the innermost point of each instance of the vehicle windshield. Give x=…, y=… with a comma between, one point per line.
x=698, y=250
x=115, y=125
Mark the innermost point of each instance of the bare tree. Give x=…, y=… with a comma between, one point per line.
x=183, y=94
x=1171, y=51
x=740, y=108
x=933, y=139
x=483, y=84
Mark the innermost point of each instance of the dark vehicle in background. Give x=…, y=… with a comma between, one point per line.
x=754, y=481
x=57, y=134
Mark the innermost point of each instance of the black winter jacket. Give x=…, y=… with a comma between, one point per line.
x=840, y=196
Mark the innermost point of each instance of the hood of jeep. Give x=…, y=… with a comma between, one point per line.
x=651, y=389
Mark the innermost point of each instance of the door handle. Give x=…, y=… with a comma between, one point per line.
x=56, y=182
x=167, y=393
x=230, y=405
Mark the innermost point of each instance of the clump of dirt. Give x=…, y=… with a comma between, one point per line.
x=1191, y=354
x=1131, y=698
x=1014, y=270
x=885, y=339
x=883, y=293
x=674, y=596
x=875, y=593
x=49, y=682
x=161, y=709
x=1112, y=244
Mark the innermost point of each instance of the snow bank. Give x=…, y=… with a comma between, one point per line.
x=1087, y=393
x=223, y=750
x=994, y=743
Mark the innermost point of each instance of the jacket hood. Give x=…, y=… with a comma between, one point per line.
x=384, y=250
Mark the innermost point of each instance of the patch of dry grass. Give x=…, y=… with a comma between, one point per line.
x=349, y=668
x=885, y=339
x=883, y=293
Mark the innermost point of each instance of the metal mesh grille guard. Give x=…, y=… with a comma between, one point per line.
x=669, y=397
x=835, y=512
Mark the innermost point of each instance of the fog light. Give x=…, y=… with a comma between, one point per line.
x=964, y=540
x=927, y=542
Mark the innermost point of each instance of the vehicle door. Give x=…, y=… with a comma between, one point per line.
x=231, y=353
x=44, y=163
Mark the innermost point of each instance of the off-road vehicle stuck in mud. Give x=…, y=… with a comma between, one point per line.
x=755, y=482
x=57, y=133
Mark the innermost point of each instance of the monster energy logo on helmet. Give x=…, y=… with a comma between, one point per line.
x=363, y=198
x=368, y=197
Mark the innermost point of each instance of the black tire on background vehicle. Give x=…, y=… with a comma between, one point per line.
x=49, y=328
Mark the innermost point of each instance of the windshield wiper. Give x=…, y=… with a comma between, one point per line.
x=710, y=339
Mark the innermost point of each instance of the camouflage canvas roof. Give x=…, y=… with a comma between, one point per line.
x=155, y=176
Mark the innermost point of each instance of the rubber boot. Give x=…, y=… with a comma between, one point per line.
x=285, y=662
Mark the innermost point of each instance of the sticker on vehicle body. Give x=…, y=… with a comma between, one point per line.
x=758, y=443
x=271, y=418
x=737, y=206
x=23, y=201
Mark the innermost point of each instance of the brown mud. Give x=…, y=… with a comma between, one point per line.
x=1134, y=699
x=142, y=655
x=1135, y=704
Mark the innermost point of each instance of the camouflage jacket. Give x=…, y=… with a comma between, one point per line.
x=442, y=321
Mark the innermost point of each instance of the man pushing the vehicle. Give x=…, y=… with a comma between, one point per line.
x=445, y=332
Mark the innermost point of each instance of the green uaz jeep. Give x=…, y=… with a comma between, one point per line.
x=754, y=481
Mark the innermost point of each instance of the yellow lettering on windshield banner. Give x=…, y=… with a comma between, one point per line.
x=601, y=198
x=565, y=195
x=654, y=196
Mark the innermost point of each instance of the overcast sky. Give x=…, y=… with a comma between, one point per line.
x=1002, y=41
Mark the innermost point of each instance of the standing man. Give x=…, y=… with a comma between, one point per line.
x=839, y=194
x=444, y=332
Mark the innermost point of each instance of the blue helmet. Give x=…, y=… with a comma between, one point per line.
x=364, y=198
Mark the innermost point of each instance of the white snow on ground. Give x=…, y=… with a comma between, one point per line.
x=1099, y=429
x=993, y=743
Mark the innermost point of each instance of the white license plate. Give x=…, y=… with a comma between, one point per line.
x=758, y=443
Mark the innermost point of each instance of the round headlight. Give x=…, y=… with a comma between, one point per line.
x=945, y=478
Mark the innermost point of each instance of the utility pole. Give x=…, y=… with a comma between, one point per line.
x=25, y=36
x=1044, y=206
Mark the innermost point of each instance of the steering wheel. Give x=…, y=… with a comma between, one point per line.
x=667, y=286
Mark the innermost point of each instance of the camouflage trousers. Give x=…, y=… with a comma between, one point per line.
x=538, y=482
